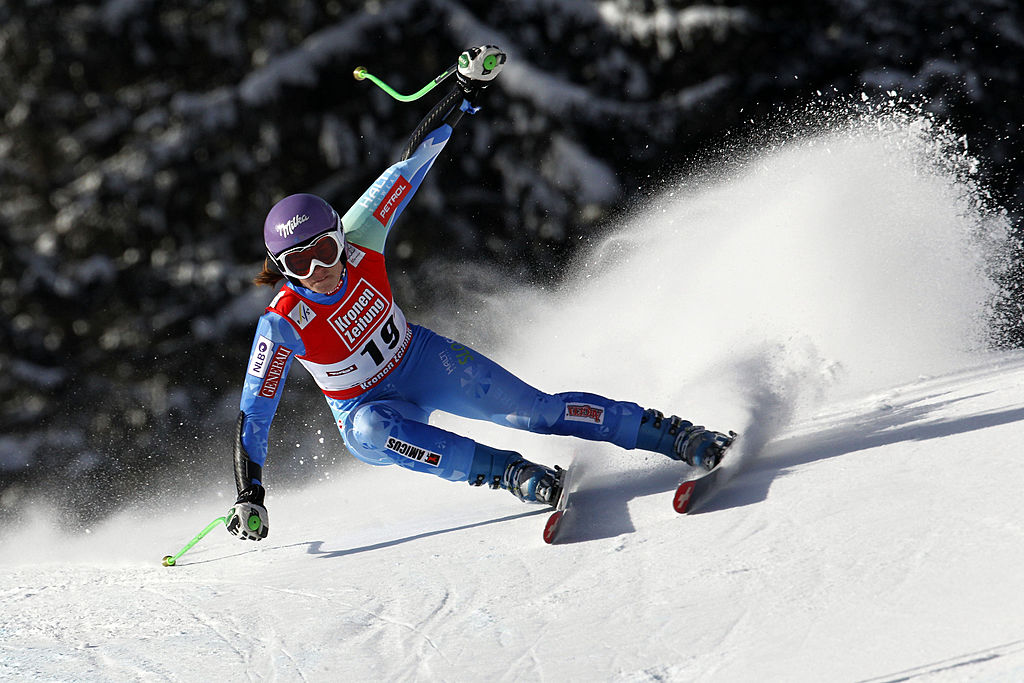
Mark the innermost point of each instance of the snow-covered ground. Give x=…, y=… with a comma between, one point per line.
x=824, y=299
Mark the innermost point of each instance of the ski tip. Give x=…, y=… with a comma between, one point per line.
x=684, y=494
x=551, y=528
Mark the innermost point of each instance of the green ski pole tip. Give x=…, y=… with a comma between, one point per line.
x=359, y=73
x=171, y=560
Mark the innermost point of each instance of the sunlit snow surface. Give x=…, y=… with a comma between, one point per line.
x=825, y=297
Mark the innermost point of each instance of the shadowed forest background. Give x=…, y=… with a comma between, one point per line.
x=142, y=143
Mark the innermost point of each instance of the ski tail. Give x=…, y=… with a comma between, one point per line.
x=689, y=492
x=569, y=481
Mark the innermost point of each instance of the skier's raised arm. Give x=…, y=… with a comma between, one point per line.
x=368, y=222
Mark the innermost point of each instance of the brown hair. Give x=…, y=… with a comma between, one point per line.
x=267, y=276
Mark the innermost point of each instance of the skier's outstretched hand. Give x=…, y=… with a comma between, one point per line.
x=248, y=518
x=478, y=66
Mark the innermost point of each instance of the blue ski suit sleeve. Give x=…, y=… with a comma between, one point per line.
x=368, y=222
x=272, y=333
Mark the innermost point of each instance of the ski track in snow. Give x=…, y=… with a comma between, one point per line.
x=823, y=301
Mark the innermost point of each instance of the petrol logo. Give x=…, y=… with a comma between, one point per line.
x=387, y=207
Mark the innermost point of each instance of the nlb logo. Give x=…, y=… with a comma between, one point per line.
x=583, y=412
x=287, y=228
x=387, y=207
x=258, y=359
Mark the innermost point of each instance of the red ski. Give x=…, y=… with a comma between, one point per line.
x=556, y=521
x=693, y=490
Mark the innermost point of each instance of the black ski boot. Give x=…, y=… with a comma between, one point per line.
x=532, y=483
x=681, y=440
x=529, y=482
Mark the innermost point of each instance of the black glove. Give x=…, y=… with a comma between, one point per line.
x=248, y=518
x=478, y=66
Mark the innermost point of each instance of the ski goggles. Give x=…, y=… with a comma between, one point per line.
x=299, y=262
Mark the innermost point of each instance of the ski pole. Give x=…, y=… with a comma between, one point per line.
x=361, y=73
x=169, y=560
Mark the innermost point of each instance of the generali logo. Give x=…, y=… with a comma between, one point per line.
x=286, y=229
x=275, y=371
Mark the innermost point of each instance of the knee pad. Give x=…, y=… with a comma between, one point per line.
x=366, y=433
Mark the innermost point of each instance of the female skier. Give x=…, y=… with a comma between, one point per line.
x=382, y=376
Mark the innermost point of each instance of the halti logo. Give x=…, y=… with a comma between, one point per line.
x=386, y=208
x=581, y=412
x=286, y=229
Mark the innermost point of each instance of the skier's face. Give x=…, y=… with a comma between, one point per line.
x=325, y=280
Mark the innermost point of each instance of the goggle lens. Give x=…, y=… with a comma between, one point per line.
x=325, y=250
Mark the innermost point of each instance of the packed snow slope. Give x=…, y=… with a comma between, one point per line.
x=825, y=298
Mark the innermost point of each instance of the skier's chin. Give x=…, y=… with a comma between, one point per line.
x=320, y=286
x=324, y=281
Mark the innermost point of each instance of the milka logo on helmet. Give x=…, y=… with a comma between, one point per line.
x=286, y=229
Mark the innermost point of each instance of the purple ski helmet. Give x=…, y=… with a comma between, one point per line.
x=299, y=218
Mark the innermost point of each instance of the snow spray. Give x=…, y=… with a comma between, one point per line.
x=849, y=256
